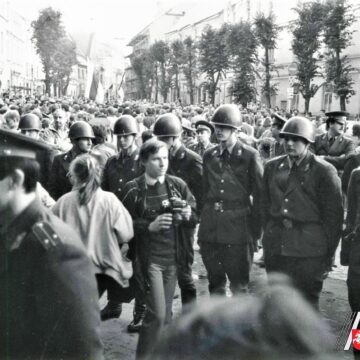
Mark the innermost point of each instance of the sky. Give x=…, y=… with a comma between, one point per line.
x=119, y=19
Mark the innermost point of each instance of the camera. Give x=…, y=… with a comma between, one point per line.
x=174, y=206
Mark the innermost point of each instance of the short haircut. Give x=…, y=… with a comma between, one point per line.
x=29, y=167
x=151, y=147
x=356, y=130
x=12, y=115
x=100, y=133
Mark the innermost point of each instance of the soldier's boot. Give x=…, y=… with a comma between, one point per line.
x=139, y=315
x=111, y=310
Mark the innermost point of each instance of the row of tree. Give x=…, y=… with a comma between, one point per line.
x=320, y=34
x=56, y=50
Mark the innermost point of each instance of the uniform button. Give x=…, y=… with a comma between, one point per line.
x=46, y=241
x=221, y=211
x=219, y=262
x=285, y=211
x=286, y=200
x=222, y=181
x=119, y=189
x=221, y=190
x=121, y=180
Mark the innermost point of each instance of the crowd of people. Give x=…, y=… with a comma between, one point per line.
x=116, y=197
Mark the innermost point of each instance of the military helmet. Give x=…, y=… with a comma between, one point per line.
x=227, y=115
x=30, y=122
x=168, y=125
x=126, y=125
x=300, y=127
x=81, y=129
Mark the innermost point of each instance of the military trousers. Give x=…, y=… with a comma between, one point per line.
x=227, y=260
x=307, y=273
x=185, y=279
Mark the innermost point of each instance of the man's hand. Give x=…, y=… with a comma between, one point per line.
x=186, y=212
x=162, y=222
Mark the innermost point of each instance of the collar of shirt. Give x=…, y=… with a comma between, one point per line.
x=152, y=181
x=229, y=148
x=333, y=137
x=298, y=161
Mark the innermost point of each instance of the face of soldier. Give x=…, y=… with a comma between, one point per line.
x=275, y=131
x=337, y=128
x=223, y=133
x=203, y=136
x=125, y=141
x=83, y=144
x=59, y=120
x=34, y=134
x=295, y=146
x=157, y=164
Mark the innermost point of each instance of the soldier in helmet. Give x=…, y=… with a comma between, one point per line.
x=232, y=186
x=334, y=146
x=302, y=211
x=30, y=125
x=277, y=148
x=120, y=169
x=187, y=165
x=80, y=134
x=47, y=287
x=204, y=131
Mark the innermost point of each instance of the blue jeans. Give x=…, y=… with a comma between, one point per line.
x=159, y=299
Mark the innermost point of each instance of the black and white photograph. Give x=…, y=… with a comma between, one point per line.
x=179, y=179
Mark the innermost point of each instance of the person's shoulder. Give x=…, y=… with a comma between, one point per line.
x=55, y=236
x=347, y=139
x=192, y=155
x=212, y=151
x=274, y=162
x=176, y=180
x=323, y=166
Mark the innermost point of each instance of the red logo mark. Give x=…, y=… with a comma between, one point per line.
x=356, y=338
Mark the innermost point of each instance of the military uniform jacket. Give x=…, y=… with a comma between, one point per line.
x=336, y=153
x=200, y=149
x=120, y=169
x=48, y=295
x=187, y=165
x=235, y=189
x=302, y=207
x=59, y=183
x=352, y=163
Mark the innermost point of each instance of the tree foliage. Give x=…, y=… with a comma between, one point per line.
x=306, y=46
x=267, y=32
x=56, y=51
x=243, y=60
x=214, y=57
x=337, y=37
x=190, y=65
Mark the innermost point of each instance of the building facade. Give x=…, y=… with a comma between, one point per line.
x=197, y=16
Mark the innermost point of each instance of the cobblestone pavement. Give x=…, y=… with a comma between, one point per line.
x=334, y=306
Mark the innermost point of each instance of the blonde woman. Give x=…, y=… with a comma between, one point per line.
x=104, y=226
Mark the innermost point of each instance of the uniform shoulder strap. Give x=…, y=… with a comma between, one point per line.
x=46, y=235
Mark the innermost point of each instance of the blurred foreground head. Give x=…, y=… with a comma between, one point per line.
x=275, y=324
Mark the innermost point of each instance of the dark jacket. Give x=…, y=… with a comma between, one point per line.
x=119, y=170
x=59, y=183
x=187, y=165
x=309, y=198
x=337, y=153
x=48, y=294
x=239, y=189
x=135, y=201
x=200, y=149
x=351, y=163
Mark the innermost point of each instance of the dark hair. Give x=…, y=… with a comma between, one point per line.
x=100, y=133
x=146, y=135
x=29, y=167
x=150, y=147
x=356, y=130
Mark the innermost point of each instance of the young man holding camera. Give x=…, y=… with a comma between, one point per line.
x=162, y=207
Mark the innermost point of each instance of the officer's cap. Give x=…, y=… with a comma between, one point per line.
x=338, y=116
x=14, y=145
x=278, y=119
x=188, y=128
x=204, y=125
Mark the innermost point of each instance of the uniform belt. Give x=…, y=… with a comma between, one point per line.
x=222, y=205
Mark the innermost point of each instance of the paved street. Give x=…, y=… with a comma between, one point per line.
x=334, y=306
